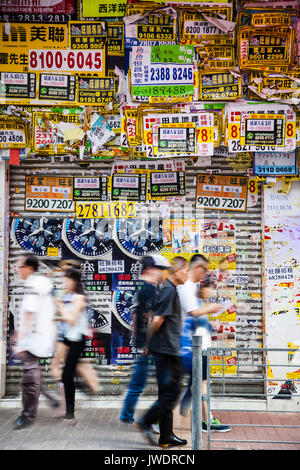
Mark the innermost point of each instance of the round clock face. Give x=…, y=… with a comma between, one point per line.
x=88, y=238
x=95, y=318
x=121, y=305
x=139, y=237
x=37, y=235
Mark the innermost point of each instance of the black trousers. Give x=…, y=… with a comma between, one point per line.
x=31, y=385
x=169, y=372
x=75, y=350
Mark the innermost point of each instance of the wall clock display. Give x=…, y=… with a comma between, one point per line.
x=96, y=319
x=139, y=237
x=40, y=236
x=122, y=302
x=88, y=238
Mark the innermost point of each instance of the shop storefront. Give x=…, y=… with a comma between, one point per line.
x=142, y=129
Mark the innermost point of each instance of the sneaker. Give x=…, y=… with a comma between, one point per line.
x=146, y=432
x=215, y=426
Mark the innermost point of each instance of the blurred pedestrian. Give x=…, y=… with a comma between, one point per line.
x=195, y=321
x=143, y=308
x=83, y=368
x=71, y=309
x=35, y=335
x=163, y=342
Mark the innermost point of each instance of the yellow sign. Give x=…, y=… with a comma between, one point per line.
x=103, y=8
x=13, y=133
x=16, y=39
x=105, y=210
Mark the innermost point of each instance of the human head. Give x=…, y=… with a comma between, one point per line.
x=198, y=267
x=27, y=265
x=69, y=263
x=154, y=267
x=179, y=270
x=72, y=281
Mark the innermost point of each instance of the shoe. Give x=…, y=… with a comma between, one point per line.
x=21, y=423
x=70, y=420
x=146, y=432
x=172, y=442
x=126, y=420
x=155, y=428
x=215, y=426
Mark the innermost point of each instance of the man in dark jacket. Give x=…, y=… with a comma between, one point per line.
x=164, y=343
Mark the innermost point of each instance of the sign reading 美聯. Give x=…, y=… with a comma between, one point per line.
x=128, y=187
x=222, y=192
x=167, y=183
x=49, y=194
x=17, y=86
x=57, y=87
x=17, y=40
x=92, y=188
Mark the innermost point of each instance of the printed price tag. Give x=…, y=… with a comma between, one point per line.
x=106, y=210
x=222, y=192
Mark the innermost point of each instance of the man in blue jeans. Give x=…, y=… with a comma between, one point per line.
x=143, y=308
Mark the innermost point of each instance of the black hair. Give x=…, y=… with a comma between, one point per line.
x=207, y=282
x=32, y=261
x=74, y=274
x=198, y=257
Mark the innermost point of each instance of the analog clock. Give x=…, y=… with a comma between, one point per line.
x=96, y=319
x=88, y=238
x=122, y=302
x=38, y=235
x=139, y=237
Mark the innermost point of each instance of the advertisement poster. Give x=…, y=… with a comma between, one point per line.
x=103, y=8
x=90, y=188
x=222, y=192
x=128, y=187
x=55, y=87
x=49, y=193
x=17, y=86
x=167, y=184
x=275, y=163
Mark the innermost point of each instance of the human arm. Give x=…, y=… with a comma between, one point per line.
x=210, y=308
x=70, y=316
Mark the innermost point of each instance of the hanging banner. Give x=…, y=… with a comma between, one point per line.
x=49, y=193
x=17, y=86
x=92, y=188
x=129, y=187
x=222, y=192
x=103, y=8
x=275, y=164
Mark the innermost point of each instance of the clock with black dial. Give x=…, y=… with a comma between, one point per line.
x=122, y=303
x=88, y=238
x=139, y=237
x=38, y=235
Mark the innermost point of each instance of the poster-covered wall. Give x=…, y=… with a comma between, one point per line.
x=282, y=282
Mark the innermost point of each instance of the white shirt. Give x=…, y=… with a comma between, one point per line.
x=75, y=332
x=189, y=301
x=40, y=340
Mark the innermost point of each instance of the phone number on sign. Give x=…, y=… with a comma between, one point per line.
x=65, y=60
x=57, y=205
x=207, y=202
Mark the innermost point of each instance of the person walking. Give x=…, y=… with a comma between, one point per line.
x=195, y=321
x=71, y=309
x=163, y=342
x=144, y=307
x=34, y=337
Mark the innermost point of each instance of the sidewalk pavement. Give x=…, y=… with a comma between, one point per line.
x=98, y=428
